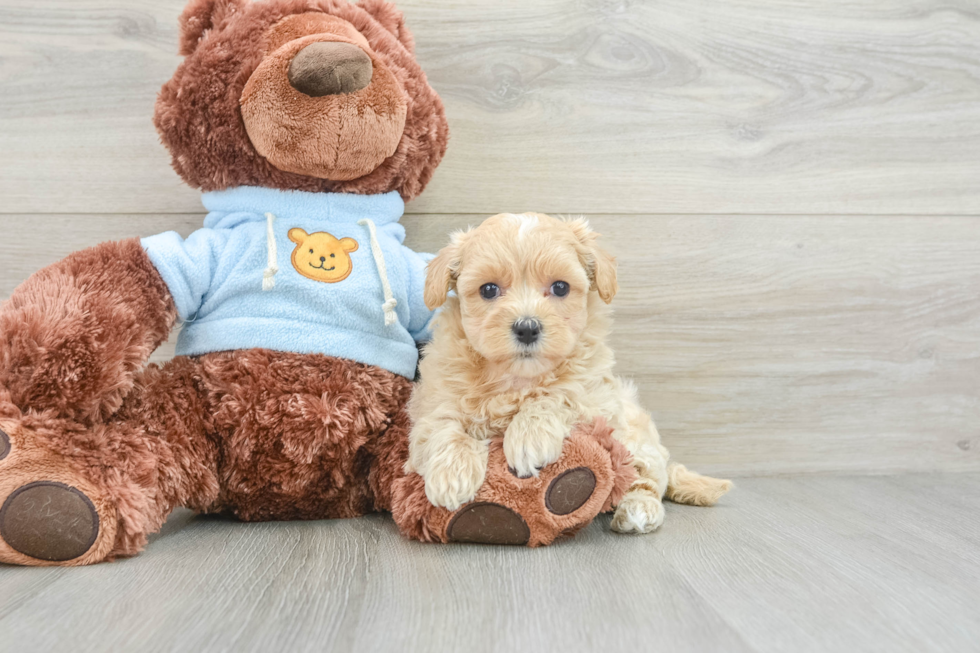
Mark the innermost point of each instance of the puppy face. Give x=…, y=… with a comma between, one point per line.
x=523, y=284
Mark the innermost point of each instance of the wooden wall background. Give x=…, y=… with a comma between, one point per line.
x=793, y=188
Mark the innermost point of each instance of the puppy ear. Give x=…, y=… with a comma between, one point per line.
x=441, y=272
x=604, y=275
x=200, y=17
x=599, y=264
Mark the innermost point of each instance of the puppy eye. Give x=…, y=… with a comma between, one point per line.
x=560, y=288
x=489, y=291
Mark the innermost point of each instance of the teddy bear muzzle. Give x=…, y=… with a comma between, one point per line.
x=322, y=103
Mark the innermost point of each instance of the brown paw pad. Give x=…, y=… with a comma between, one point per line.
x=4, y=444
x=49, y=521
x=488, y=523
x=570, y=490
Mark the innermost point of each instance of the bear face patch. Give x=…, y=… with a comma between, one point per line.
x=322, y=257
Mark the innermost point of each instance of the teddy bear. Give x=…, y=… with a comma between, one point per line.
x=307, y=124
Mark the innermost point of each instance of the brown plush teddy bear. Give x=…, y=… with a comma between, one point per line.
x=307, y=123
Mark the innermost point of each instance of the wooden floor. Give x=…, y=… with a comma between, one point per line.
x=888, y=563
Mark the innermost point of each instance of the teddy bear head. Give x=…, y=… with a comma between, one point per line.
x=312, y=95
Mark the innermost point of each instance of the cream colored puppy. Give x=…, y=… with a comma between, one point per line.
x=520, y=351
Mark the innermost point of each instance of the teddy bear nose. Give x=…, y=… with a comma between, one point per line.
x=323, y=259
x=330, y=68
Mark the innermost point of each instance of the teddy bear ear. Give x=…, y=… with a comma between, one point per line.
x=391, y=18
x=201, y=16
x=297, y=235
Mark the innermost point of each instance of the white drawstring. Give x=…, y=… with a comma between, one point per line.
x=269, y=276
x=379, y=260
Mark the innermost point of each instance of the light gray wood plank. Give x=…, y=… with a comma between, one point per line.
x=356, y=585
x=571, y=597
x=762, y=345
x=818, y=564
x=749, y=106
x=830, y=564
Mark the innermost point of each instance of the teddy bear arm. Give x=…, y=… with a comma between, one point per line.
x=73, y=335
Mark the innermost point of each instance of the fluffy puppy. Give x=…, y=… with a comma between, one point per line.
x=520, y=350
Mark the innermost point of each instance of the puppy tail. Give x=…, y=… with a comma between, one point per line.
x=685, y=486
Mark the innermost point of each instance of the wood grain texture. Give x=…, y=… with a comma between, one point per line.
x=762, y=345
x=614, y=106
x=816, y=564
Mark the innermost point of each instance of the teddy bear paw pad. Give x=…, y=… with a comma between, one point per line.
x=488, y=523
x=49, y=521
x=570, y=490
x=4, y=444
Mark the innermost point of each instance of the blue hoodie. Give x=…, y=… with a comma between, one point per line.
x=298, y=272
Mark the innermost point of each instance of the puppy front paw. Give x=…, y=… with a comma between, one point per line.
x=639, y=512
x=454, y=476
x=530, y=444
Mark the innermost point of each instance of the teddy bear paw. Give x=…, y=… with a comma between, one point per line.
x=49, y=515
x=486, y=522
x=590, y=475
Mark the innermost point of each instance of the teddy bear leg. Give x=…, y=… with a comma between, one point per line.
x=76, y=494
x=590, y=477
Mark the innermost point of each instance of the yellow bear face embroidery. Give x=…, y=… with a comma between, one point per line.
x=321, y=257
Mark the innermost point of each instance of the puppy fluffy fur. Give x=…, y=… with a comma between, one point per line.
x=479, y=380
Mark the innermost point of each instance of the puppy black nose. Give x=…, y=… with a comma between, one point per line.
x=330, y=68
x=527, y=330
